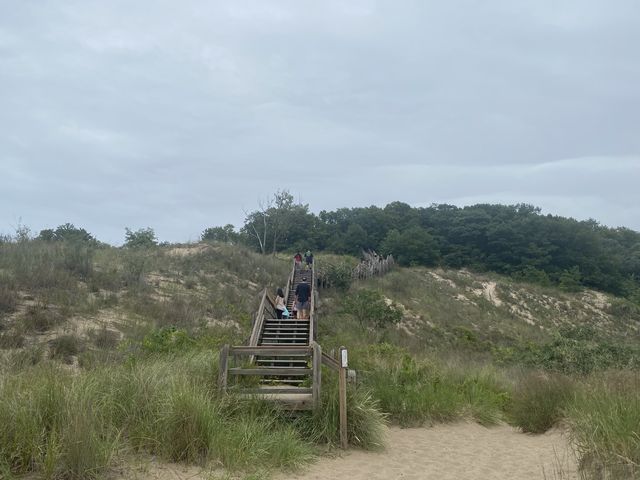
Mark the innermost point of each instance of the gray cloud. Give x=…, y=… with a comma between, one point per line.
x=148, y=114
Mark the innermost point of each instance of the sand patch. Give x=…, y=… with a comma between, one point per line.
x=452, y=452
x=488, y=291
x=190, y=250
x=440, y=278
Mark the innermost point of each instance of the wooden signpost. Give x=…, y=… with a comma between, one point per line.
x=342, y=379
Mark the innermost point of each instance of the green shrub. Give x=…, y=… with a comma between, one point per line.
x=338, y=275
x=538, y=401
x=370, y=308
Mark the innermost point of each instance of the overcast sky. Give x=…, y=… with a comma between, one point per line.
x=180, y=115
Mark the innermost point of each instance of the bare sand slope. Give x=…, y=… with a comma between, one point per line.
x=460, y=451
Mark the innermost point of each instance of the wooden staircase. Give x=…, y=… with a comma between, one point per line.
x=282, y=352
x=285, y=357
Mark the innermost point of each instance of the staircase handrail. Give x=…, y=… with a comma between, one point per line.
x=290, y=280
x=312, y=309
x=265, y=302
x=257, y=325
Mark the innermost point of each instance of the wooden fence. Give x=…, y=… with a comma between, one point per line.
x=372, y=265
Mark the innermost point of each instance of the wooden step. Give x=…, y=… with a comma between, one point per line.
x=275, y=338
x=274, y=381
x=284, y=334
x=285, y=320
x=271, y=371
x=268, y=390
x=286, y=327
x=280, y=361
x=299, y=324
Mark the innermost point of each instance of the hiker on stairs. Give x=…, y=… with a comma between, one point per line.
x=280, y=305
x=308, y=256
x=303, y=299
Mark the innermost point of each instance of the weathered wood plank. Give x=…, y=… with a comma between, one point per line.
x=273, y=371
x=222, y=365
x=273, y=351
x=317, y=374
x=332, y=363
x=277, y=390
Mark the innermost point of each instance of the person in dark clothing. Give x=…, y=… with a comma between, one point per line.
x=303, y=298
x=308, y=256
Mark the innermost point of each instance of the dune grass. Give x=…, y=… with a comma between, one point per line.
x=415, y=391
x=63, y=425
x=604, y=422
x=367, y=423
x=539, y=400
x=76, y=426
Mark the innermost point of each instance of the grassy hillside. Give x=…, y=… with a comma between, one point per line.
x=129, y=338
x=72, y=300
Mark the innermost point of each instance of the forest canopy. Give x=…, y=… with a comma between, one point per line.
x=516, y=240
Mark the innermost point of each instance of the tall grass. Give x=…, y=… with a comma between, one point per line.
x=415, y=391
x=75, y=426
x=539, y=400
x=367, y=424
x=604, y=422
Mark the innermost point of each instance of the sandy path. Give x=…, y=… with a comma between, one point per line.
x=464, y=451
x=461, y=451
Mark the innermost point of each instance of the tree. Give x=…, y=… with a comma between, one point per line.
x=226, y=234
x=67, y=232
x=141, y=238
x=414, y=246
x=570, y=280
x=278, y=223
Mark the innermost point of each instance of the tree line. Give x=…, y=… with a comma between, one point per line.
x=516, y=240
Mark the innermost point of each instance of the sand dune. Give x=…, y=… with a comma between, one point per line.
x=448, y=452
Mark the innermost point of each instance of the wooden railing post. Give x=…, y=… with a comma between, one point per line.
x=317, y=375
x=342, y=387
x=223, y=368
